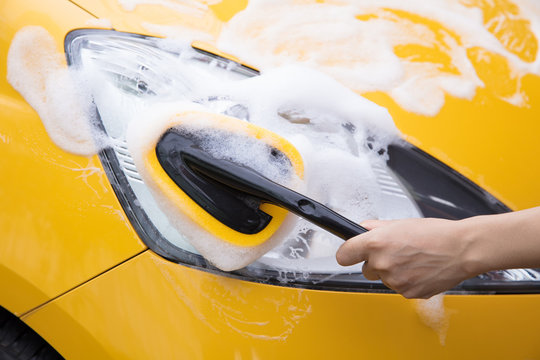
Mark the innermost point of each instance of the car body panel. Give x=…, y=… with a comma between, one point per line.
x=60, y=220
x=62, y=225
x=149, y=307
x=483, y=138
x=486, y=139
x=141, y=18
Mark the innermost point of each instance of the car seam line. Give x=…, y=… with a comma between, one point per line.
x=36, y=308
x=80, y=7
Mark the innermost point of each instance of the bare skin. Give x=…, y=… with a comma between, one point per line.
x=419, y=258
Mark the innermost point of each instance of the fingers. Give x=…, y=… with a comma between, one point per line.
x=351, y=252
x=369, y=273
x=372, y=224
x=403, y=256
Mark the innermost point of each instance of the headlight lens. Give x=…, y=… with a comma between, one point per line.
x=135, y=72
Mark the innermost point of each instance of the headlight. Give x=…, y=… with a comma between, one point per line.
x=132, y=73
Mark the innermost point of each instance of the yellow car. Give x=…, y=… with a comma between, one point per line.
x=91, y=267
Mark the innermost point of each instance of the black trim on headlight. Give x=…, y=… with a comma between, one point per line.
x=438, y=190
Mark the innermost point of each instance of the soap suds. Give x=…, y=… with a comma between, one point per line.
x=341, y=137
x=243, y=150
x=39, y=73
x=143, y=134
x=418, y=53
x=101, y=23
x=434, y=315
x=5, y=139
x=414, y=51
x=331, y=138
x=178, y=32
x=238, y=307
x=191, y=7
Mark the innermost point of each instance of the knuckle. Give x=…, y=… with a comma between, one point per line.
x=371, y=243
x=381, y=264
x=368, y=272
x=409, y=294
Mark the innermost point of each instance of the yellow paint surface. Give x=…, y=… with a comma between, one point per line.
x=149, y=308
x=60, y=221
x=61, y=224
x=491, y=142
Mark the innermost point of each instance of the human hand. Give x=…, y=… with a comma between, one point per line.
x=417, y=258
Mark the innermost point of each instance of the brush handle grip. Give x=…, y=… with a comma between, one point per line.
x=251, y=182
x=316, y=213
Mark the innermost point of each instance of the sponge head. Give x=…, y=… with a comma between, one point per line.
x=190, y=208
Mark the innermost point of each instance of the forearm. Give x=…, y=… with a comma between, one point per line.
x=502, y=241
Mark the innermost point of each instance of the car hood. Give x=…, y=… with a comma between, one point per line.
x=474, y=136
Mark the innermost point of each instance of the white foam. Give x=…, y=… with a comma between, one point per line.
x=143, y=134
x=191, y=7
x=361, y=52
x=311, y=102
x=327, y=122
x=39, y=73
x=324, y=101
x=324, y=120
x=331, y=135
x=246, y=151
x=178, y=32
x=101, y=23
x=434, y=315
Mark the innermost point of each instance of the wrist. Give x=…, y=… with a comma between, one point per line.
x=473, y=233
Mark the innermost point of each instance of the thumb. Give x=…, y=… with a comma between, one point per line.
x=353, y=250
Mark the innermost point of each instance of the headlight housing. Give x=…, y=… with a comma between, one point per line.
x=134, y=71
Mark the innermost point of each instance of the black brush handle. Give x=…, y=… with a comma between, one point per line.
x=251, y=182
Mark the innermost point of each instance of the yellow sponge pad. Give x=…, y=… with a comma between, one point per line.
x=224, y=247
